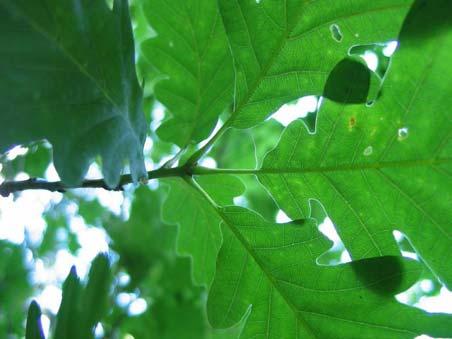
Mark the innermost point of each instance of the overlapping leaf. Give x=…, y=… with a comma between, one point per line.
x=199, y=231
x=81, y=308
x=387, y=167
x=15, y=288
x=273, y=269
x=245, y=149
x=34, y=163
x=191, y=50
x=147, y=251
x=34, y=326
x=284, y=50
x=68, y=76
x=144, y=238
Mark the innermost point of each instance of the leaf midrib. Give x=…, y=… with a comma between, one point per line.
x=286, y=38
x=252, y=253
x=273, y=281
x=327, y=169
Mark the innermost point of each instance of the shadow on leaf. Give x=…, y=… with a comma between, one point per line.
x=348, y=82
x=426, y=19
x=383, y=275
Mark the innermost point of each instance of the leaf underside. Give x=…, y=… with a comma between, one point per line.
x=375, y=169
x=273, y=268
x=381, y=168
x=286, y=50
x=191, y=51
x=68, y=76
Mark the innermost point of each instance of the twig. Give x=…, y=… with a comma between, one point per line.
x=9, y=187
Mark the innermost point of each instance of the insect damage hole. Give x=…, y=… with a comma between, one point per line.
x=336, y=32
x=402, y=133
x=368, y=151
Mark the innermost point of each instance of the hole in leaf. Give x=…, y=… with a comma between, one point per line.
x=405, y=246
x=377, y=55
x=336, y=32
x=371, y=60
x=390, y=48
x=310, y=121
x=402, y=133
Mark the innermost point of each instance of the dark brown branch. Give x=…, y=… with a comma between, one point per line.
x=9, y=187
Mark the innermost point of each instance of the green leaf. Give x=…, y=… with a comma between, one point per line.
x=284, y=50
x=166, y=321
x=15, y=288
x=265, y=137
x=191, y=50
x=381, y=168
x=222, y=189
x=68, y=76
x=68, y=316
x=92, y=211
x=177, y=309
x=82, y=307
x=272, y=269
x=199, y=231
x=94, y=301
x=34, y=163
x=144, y=238
x=235, y=149
x=245, y=149
x=142, y=32
x=227, y=333
x=34, y=327
x=178, y=306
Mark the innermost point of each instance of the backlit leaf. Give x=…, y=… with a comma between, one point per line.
x=386, y=167
x=199, y=230
x=272, y=269
x=192, y=52
x=284, y=50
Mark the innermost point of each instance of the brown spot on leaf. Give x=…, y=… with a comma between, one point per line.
x=352, y=122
